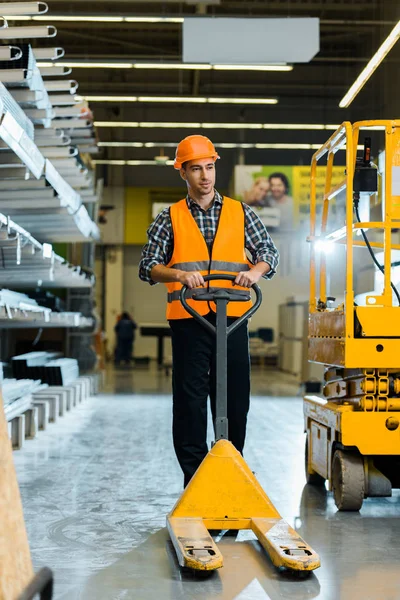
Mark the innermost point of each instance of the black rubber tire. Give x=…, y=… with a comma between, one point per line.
x=348, y=480
x=312, y=477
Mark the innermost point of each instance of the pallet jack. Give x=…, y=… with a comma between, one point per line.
x=224, y=494
x=353, y=433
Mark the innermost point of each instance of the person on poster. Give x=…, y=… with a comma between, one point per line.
x=257, y=195
x=279, y=198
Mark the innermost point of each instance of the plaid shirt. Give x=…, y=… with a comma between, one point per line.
x=158, y=250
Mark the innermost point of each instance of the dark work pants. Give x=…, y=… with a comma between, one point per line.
x=193, y=379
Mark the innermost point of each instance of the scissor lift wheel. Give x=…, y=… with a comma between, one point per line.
x=312, y=477
x=348, y=480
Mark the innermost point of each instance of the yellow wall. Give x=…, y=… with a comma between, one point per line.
x=137, y=214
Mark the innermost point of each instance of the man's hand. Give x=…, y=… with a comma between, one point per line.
x=192, y=279
x=248, y=278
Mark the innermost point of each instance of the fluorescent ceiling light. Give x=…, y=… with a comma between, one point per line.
x=169, y=125
x=97, y=19
x=173, y=66
x=107, y=98
x=80, y=18
x=85, y=65
x=242, y=100
x=371, y=66
x=120, y=144
x=115, y=124
x=153, y=19
x=300, y=126
x=222, y=145
x=253, y=67
x=133, y=163
x=190, y=99
x=185, y=125
x=167, y=66
x=176, y=99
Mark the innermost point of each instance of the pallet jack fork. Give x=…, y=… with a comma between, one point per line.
x=224, y=493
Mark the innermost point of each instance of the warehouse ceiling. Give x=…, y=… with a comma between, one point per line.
x=350, y=33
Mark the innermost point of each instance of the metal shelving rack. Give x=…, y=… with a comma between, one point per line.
x=44, y=185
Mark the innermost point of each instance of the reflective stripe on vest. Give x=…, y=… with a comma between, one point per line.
x=214, y=265
x=190, y=253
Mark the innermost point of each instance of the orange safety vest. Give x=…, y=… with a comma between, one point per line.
x=228, y=255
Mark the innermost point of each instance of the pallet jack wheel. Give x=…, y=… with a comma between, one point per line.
x=348, y=480
x=312, y=477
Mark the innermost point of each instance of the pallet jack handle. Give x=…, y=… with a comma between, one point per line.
x=229, y=295
x=221, y=297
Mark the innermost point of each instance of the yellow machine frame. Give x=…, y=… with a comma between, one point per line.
x=353, y=435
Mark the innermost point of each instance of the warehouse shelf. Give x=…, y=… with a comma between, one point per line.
x=27, y=319
x=25, y=262
x=19, y=311
x=61, y=226
x=71, y=220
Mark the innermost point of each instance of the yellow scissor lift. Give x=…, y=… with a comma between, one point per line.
x=353, y=434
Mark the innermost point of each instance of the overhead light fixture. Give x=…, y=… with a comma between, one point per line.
x=106, y=98
x=371, y=67
x=244, y=67
x=195, y=125
x=190, y=99
x=85, y=65
x=115, y=124
x=169, y=125
x=133, y=163
x=147, y=19
x=80, y=18
x=172, y=66
x=222, y=145
x=177, y=99
x=168, y=66
x=232, y=125
x=300, y=126
x=97, y=18
x=243, y=100
x=120, y=144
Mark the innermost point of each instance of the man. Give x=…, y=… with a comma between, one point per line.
x=205, y=233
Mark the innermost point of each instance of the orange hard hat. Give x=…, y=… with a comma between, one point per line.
x=192, y=147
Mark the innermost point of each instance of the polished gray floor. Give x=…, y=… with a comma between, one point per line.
x=97, y=485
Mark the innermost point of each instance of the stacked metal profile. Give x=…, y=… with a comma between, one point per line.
x=44, y=184
x=49, y=367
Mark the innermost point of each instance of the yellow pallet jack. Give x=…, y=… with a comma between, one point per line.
x=224, y=494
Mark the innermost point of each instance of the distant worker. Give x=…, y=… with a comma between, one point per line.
x=205, y=233
x=125, y=331
x=258, y=193
x=279, y=198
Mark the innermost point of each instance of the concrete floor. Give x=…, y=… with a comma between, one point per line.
x=96, y=488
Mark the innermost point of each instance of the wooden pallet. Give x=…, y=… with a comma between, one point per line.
x=15, y=558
